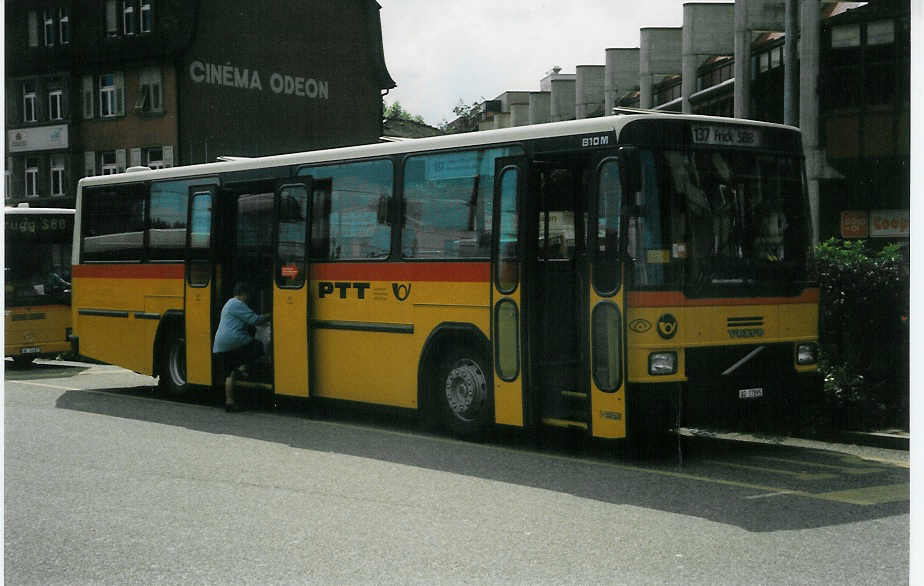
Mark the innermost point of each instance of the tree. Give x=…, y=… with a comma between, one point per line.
x=467, y=118
x=394, y=111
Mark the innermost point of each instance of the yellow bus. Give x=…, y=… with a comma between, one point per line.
x=593, y=274
x=37, y=284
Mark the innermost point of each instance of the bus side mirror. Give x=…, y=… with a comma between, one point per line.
x=630, y=170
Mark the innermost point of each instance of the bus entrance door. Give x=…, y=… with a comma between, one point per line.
x=555, y=281
x=290, y=289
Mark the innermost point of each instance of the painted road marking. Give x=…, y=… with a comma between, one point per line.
x=793, y=473
x=845, y=469
x=869, y=495
x=770, y=494
x=57, y=387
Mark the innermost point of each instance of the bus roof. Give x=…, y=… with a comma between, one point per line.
x=230, y=164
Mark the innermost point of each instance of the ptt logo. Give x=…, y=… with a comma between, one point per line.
x=401, y=291
x=326, y=288
x=667, y=326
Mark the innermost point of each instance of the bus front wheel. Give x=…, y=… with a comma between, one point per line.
x=173, y=365
x=465, y=396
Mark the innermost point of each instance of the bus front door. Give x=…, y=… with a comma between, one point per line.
x=290, y=289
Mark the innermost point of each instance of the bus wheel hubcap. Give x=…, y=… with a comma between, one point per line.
x=177, y=363
x=466, y=389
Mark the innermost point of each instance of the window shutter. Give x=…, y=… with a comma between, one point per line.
x=135, y=158
x=168, y=156
x=13, y=102
x=89, y=163
x=120, y=93
x=33, y=29
x=120, y=160
x=87, y=96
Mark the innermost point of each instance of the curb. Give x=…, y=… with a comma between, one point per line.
x=876, y=439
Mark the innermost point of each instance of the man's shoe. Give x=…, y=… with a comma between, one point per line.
x=233, y=408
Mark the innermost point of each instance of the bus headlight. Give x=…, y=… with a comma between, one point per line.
x=661, y=363
x=806, y=353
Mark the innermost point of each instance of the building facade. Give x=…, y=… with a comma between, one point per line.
x=96, y=87
x=847, y=88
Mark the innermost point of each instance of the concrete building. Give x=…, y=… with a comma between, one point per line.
x=99, y=86
x=838, y=70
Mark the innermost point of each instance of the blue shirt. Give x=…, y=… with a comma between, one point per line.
x=232, y=332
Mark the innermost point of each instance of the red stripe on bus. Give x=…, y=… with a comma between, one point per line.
x=465, y=272
x=677, y=299
x=129, y=271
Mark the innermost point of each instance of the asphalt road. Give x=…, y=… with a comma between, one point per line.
x=107, y=484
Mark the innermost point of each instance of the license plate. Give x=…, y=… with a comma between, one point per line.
x=30, y=350
x=750, y=393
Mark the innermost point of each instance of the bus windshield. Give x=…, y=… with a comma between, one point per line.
x=720, y=222
x=37, y=259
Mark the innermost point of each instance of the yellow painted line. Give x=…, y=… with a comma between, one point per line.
x=845, y=469
x=869, y=495
x=793, y=473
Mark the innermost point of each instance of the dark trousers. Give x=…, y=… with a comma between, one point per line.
x=228, y=361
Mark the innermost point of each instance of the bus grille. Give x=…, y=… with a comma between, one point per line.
x=746, y=361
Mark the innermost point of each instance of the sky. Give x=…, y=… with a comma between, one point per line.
x=443, y=51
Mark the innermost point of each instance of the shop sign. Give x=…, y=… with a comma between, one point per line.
x=40, y=138
x=890, y=224
x=854, y=224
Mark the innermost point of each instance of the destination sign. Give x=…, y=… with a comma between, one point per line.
x=22, y=228
x=726, y=135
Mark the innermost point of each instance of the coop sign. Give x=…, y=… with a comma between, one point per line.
x=228, y=75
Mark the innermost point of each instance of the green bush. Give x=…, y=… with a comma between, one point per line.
x=864, y=332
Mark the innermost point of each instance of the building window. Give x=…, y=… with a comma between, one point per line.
x=111, y=95
x=845, y=36
x=57, y=176
x=146, y=16
x=49, y=20
x=154, y=157
x=112, y=18
x=107, y=160
x=128, y=17
x=28, y=101
x=150, y=93
x=64, y=26
x=33, y=29
x=32, y=177
x=881, y=32
x=55, y=111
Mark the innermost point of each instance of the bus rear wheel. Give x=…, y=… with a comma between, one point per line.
x=465, y=395
x=172, y=379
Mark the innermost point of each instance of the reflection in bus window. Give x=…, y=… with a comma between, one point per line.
x=290, y=253
x=167, y=229
x=349, y=218
x=448, y=204
x=113, y=223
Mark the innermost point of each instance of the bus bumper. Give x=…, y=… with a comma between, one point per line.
x=741, y=404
